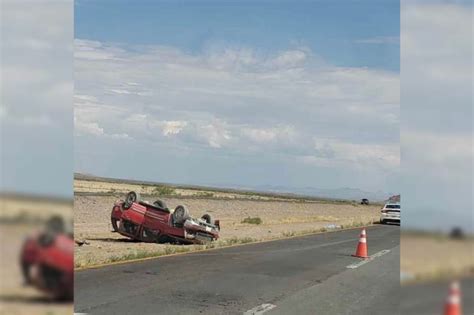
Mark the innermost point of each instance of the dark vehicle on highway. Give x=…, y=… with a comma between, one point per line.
x=364, y=201
x=457, y=233
x=155, y=222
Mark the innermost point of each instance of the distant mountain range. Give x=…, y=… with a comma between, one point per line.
x=345, y=193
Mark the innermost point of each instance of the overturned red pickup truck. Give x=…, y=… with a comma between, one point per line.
x=47, y=260
x=155, y=222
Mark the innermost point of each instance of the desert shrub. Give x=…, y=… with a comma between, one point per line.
x=204, y=194
x=164, y=191
x=288, y=233
x=250, y=220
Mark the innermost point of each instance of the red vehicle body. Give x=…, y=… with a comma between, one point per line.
x=47, y=262
x=148, y=222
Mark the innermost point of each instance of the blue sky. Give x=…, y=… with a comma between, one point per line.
x=345, y=33
x=295, y=96
x=239, y=93
x=36, y=144
x=437, y=124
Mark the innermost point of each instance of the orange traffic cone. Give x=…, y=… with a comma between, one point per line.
x=362, y=246
x=453, y=303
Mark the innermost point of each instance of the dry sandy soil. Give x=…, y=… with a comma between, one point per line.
x=94, y=186
x=19, y=208
x=425, y=257
x=17, y=220
x=281, y=218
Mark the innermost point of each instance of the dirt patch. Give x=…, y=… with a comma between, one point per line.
x=428, y=257
x=279, y=218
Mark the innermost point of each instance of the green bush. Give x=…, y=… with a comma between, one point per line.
x=204, y=194
x=164, y=191
x=250, y=220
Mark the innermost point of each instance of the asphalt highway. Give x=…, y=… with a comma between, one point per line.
x=313, y=274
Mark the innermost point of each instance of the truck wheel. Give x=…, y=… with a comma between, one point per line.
x=208, y=218
x=46, y=239
x=180, y=214
x=55, y=224
x=147, y=236
x=163, y=238
x=130, y=199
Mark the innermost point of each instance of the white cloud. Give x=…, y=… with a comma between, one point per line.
x=95, y=51
x=291, y=58
x=89, y=128
x=436, y=41
x=215, y=134
x=238, y=101
x=260, y=135
x=35, y=44
x=94, y=129
x=230, y=59
x=363, y=156
x=118, y=91
x=447, y=155
x=37, y=90
x=88, y=98
x=36, y=60
x=436, y=137
x=173, y=127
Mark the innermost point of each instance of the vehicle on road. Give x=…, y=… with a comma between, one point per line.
x=47, y=260
x=390, y=213
x=457, y=233
x=364, y=201
x=155, y=222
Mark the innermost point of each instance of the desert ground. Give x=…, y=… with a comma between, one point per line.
x=31, y=209
x=19, y=217
x=89, y=186
x=280, y=217
x=427, y=257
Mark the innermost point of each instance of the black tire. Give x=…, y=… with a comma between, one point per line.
x=25, y=271
x=46, y=239
x=147, y=236
x=130, y=199
x=25, y=265
x=180, y=214
x=114, y=224
x=55, y=224
x=208, y=218
x=160, y=204
x=163, y=238
x=382, y=221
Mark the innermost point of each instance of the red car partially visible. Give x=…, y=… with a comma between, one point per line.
x=47, y=261
x=155, y=222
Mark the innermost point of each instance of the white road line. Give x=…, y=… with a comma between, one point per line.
x=363, y=262
x=260, y=309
